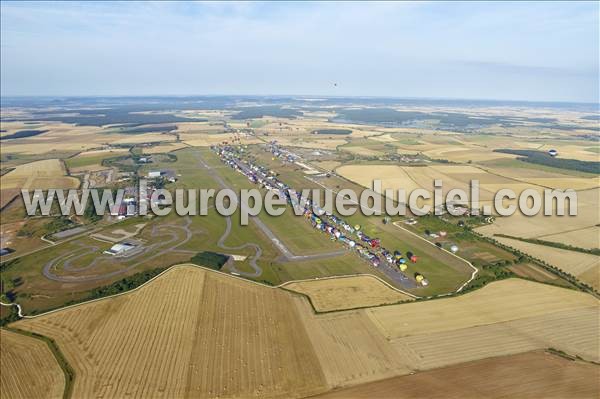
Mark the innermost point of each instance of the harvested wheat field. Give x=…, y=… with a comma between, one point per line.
x=528, y=375
x=350, y=348
x=585, y=267
x=572, y=331
x=188, y=333
x=391, y=176
x=360, y=150
x=588, y=237
x=29, y=369
x=540, y=225
x=505, y=317
x=49, y=173
x=495, y=303
x=348, y=293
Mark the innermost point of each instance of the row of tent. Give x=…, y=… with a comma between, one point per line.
x=367, y=247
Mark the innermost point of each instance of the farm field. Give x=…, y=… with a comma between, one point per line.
x=211, y=335
x=347, y=293
x=528, y=375
x=529, y=270
x=485, y=323
x=459, y=176
x=350, y=348
x=49, y=173
x=585, y=267
x=485, y=306
x=572, y=331
x=29, y=369
x=587, y=237
x=541, y=225
x=345, y=348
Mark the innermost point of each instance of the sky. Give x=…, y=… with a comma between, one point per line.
x=538, y=51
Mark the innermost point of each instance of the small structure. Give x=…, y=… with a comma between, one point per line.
x=6, y=251
x=454, y=248
x=154, y=174
x=119, y=249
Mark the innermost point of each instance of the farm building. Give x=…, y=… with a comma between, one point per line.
x=119, y=248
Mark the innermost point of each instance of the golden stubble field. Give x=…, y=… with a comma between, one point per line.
x=29, y=369
x=505, y=317
x=348, y=293
x=49, y=173
x=189, y=333
x=65, y=137
x=203, y=334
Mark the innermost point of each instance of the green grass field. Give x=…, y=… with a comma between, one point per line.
x=81, y=161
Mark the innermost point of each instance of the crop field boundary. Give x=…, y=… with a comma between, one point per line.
x=64, y=365
x=279, y=286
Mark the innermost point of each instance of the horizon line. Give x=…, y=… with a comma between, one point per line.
x=299, y=95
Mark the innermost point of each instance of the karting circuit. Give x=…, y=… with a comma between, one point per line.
x=87, y=260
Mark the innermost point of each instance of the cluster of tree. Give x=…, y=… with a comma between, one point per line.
x=127, y=116
x=13, y=315
x=90, y=213
x=267, y=110
x=494, y=272
x=552, y=269
x=137, y=129
x=126, y=284
x=542, y=158
x=57, y=224
x=22, y=134
x=210, y=259
x=392, y=116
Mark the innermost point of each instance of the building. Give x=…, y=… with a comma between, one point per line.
x=154, y=173
x=119, y=249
